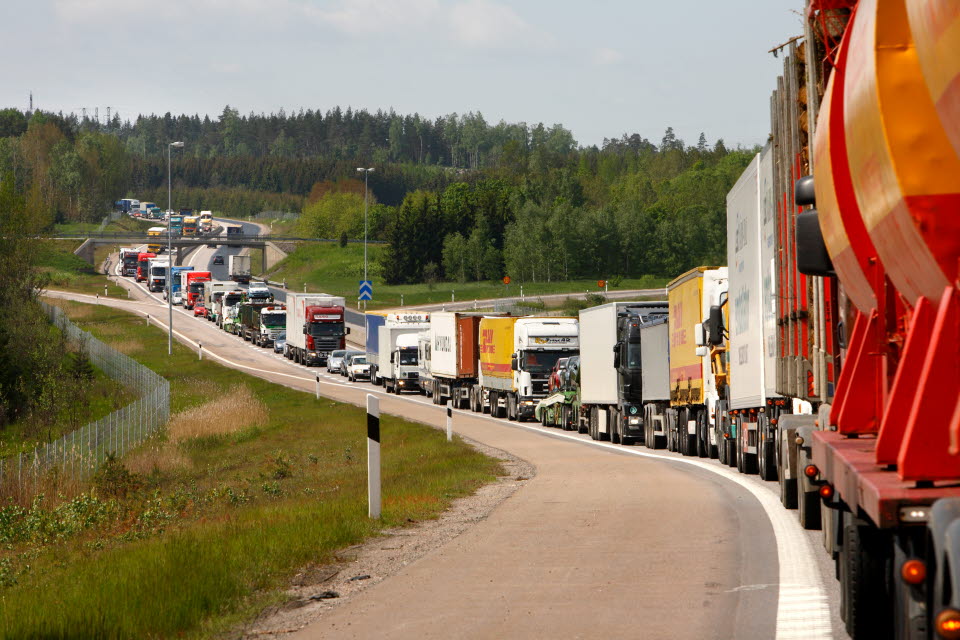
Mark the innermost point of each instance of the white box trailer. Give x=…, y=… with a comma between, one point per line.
x=314, y=327
x=396, y=364
x=624, y=369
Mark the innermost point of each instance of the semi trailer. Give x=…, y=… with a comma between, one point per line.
x=384, y=331
x=450, y=349
x=314, y=327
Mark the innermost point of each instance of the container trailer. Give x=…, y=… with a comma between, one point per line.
x=314, y=327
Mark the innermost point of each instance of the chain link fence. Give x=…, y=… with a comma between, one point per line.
x=77, y=455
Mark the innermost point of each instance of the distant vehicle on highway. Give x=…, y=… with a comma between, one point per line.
x=217, y=259
x=279, y=342
x=348, y=358
x=335, y=361
x=199, y=309
x=177, y=297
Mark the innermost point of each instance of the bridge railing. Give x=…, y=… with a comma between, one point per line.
x=222, y=238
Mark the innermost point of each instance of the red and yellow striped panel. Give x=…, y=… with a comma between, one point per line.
x=935, y=25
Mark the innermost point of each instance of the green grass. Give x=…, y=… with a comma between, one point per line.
x=204, y=545
x=69, y=272
x=125, y=223
x=338, y=270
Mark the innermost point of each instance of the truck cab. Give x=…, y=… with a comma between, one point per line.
x=631, y=361
x=129, y=259
x=403, y=372
x=271, y=322
x=194, y=284
x=538, y=344
x=143, y=265
x=157, y=280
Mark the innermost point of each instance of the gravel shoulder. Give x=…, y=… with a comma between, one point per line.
x=361, y=566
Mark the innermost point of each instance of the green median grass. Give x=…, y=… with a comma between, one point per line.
x=338, y=270
x=67, y=271
x=202, y=528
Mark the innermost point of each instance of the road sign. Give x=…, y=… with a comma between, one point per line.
x=506, y=279
x=601, y=283
x=366, y=290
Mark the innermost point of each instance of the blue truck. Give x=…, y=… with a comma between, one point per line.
x=176, y=277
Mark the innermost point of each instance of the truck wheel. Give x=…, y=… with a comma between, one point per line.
x=703, y=438
x=511, y=407
x=767, y=454
x=731, y=445
x=865, y=572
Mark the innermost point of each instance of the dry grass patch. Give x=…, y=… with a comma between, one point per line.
x=127, y=346
x=233, y=411
x=158, y=457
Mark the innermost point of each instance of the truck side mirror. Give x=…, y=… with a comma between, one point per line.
x=698, y=337
x=346, y=331
x=715, y=326
x=304, y=328
x=391, y=358
x=812, y=256
x=513, y=362
x=616, y=355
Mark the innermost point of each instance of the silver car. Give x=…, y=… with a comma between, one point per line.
x=335, y=360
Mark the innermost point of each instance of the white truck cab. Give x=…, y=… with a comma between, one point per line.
x=538, y=344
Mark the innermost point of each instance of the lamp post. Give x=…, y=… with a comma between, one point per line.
x=178, y=145
x=366, y=177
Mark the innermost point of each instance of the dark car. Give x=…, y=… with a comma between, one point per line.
x=217, y=259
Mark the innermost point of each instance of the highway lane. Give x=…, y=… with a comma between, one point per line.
x=605, y=540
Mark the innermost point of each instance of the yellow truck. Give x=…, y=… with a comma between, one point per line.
x=191, y=225
x=155, y=233
x=693, y=324
x=517, y=356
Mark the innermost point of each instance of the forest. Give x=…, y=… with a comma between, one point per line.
x=454, y=197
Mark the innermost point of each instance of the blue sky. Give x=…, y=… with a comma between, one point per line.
x=600, y=68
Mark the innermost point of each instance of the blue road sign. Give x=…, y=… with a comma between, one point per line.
x=366, y=290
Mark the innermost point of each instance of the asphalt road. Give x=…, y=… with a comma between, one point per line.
x=605, y=540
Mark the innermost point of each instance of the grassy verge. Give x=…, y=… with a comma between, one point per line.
x=125, y=223
x=338, y=270
x=203, y=527
x=70, y=272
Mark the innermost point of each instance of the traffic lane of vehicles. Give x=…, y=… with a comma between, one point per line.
x=598, y=561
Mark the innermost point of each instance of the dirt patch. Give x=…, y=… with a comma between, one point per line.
x=362, y=566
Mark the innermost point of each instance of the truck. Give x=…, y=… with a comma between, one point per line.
x=222, y=306
x=315, y=327
x=155, y=244
x=212, y=290
x=191, y=225
x=451, y=351
x=127, y=205
x=143, y=267
x=233, y=231
x=259, y=292
x=882, y=444
x=262, y=323
x=697, y=375
x=206, y=221
x=178, y=277
x=516, y=357
x=193, y=282
x=175, y=224
x=562, y=407
x=158, y=268
x=239, y=269
x=624, y=366
x=129, y=258
x=383, y=329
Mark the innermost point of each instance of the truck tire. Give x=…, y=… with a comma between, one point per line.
x=808, y=503
x=767, y=456
x=731, y=445
x=511, y=407
x=865, y=572
x=703, y=438
x=788, y=486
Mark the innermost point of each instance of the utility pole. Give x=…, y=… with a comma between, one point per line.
x=170, y=261
x=366, y=191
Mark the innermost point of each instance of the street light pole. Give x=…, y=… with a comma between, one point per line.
x=178, y=145
x=366, y=177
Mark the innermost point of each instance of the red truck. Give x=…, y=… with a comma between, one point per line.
x=885, y=456
x=143, y=268
x=195, y=280
x=314, y=327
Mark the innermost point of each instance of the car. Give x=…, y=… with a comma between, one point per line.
x=557, y=374
x=335, y=360
x=177, y=297
x=218, y=259
x=347, y=357
x=199, y=309
x=358, y=368
x=279, y=342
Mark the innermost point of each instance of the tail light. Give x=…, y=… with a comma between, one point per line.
x=826, y=492
x=948, y=624
x=913, y=571
x=811, y=471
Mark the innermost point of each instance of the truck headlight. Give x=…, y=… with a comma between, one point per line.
x=634, y=420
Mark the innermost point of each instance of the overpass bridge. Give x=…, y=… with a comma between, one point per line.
x=184, y=244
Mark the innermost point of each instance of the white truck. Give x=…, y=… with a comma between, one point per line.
x=625, y=372
x=451, y=351
x=213, y=290
x=314, y=327
x=206, y=221
x=157, y=273
x=516, y=358
x=239, y=269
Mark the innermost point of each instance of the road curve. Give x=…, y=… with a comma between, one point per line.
x=603, y=541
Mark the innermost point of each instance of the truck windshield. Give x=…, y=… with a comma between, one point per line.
x=196, y=288
x=320, y=329
x=633, y=355
x=542, y=361
x=231, y=300
x=158, y=271
x=408, y=356
x=274, y=320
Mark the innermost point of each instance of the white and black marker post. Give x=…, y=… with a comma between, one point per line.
x=449, y=421
x=373, y=455
x=200, y=351
x=318, y=386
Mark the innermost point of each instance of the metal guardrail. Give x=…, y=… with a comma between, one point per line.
x=78, y=454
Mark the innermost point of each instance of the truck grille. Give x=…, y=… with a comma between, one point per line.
x=326, y=344
x=413, y=375
x=539, y=387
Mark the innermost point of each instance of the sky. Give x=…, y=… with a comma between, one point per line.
x=601, y=68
